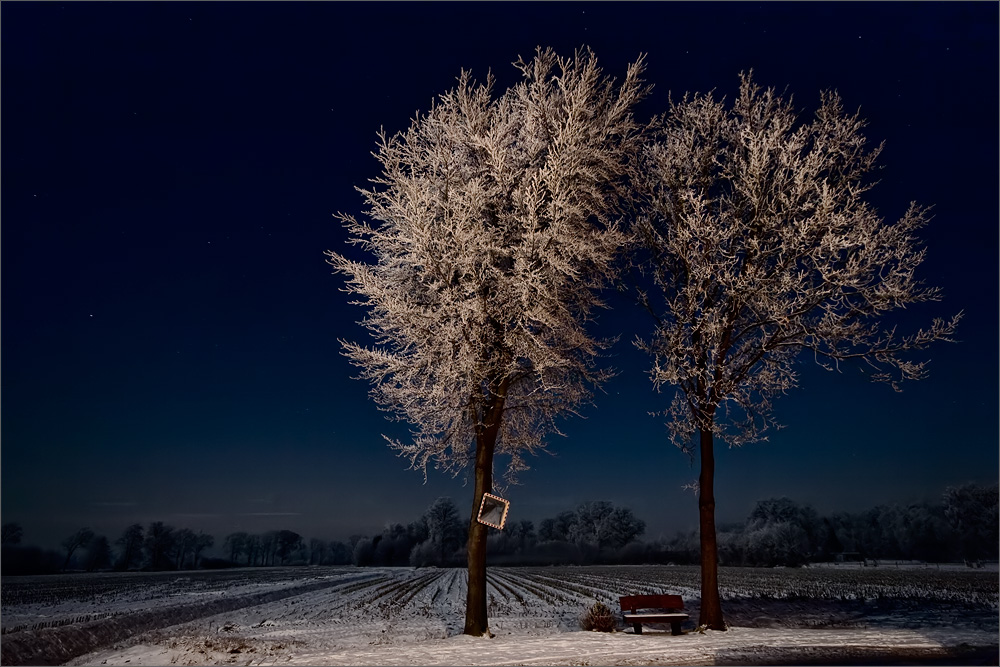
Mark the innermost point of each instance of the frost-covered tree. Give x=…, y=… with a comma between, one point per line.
x=601, y=524
x=492, y=224
x=761, y=247
x=779, y=531
x=444, y=529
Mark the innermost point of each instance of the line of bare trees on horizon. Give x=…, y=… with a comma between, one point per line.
x=963, y=526
x=156, y=547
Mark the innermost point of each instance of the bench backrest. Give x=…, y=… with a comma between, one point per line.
x=633, y=603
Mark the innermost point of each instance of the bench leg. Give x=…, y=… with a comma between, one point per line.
x=638, y=628
x=675, y=628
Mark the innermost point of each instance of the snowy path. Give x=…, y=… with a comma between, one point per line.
x=737, y=646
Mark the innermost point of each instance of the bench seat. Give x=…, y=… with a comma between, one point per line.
x=631, y=604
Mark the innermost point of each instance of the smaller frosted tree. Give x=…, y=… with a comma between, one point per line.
x=493, y=225
x=603, y=525
x=761, y=248
x=444, y=528
x=779, y=531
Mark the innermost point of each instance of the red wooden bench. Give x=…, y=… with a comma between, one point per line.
x=667, y=607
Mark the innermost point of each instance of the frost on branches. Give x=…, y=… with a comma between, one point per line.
x=761, y=248
x=493, y=223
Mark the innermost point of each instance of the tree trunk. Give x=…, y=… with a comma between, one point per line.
x=476, y=621
x=711, y=605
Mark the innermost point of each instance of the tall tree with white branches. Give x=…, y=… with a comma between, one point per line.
x=493, y=226
x=761, y=248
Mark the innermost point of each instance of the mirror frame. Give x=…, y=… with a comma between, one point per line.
x=498, y=502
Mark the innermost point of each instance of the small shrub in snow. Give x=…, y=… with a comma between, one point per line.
x=599, y=617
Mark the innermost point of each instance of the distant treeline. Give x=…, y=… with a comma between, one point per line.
x=963, y=526
x=156, y=547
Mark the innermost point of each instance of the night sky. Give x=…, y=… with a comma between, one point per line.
x=170, y=173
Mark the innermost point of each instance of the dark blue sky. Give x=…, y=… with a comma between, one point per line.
x=169, y=338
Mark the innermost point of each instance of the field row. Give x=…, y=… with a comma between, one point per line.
x=105, y=587
x=557, y=593
x=974, y=587
x=35, y=603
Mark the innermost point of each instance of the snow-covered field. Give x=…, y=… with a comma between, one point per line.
x=406, y=616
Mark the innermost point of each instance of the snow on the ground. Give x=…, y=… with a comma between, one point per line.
x=52, y=599
x=737, y=645
x=405, y=616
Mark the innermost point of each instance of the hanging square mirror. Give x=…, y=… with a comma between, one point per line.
x=493, y=511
